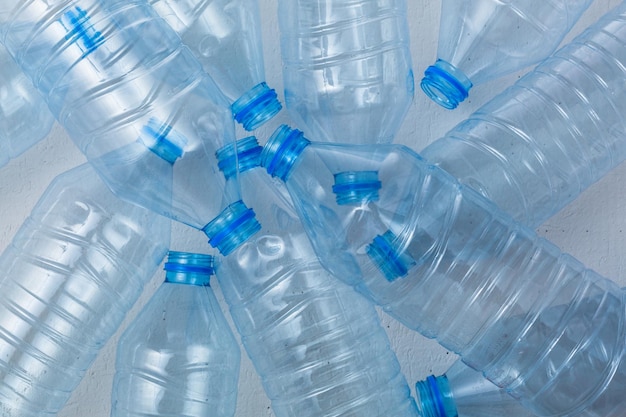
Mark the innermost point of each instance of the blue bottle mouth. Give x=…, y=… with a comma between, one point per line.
x=282, y=150
x=163, y=140
x=356, y=187
x=385, y=254
x=232, y=227
x=434, y=398
x=445, y=84
x=242, y=156
x=188, y=268
x=256, y=106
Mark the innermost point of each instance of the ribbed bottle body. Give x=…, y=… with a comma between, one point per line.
x=538, y=145
x=71, y=273
x=132, y=97
x=24, y=115
x=346, y=68
x=317, y=345
x=486, y=39
x=445, y=261
x=178, y=357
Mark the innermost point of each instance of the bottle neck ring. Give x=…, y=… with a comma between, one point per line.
x=163, y=140
x=232, y=227
x=385, y=254
x=356, y=187
x=282, y=150
x=445, y=84
x=434, y=397
x=188, y=268
x=256, y=106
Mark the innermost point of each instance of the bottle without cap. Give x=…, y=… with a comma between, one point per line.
x=535, y=147
x=225, y=36
x=179, y=356
x=71, y=273
x=134, y=100
x=480, y=40
x=318, y=346
x=24, y=116
x=346, y=67
x=445, y=261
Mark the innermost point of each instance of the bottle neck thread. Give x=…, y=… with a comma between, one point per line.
x=445, y=84
x=244, y=155
x=435, y=398
x=163, y=140
x=232, y=227
x=188, y=268
x=256, y=106
x=356, y=187
x=385, y=254
x=282, y=150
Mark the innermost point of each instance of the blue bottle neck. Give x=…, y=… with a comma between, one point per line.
x=163, y=140
x=232, y=227
x=385, y=252
x=188, y=268
x=445, y=84
x=356, y=187
x=435, y=398
x=256, y=106
x=242, y=156
x=282, y=150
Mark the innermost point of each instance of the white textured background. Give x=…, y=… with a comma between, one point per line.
x=593, y=228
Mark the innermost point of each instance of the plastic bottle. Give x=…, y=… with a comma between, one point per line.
x=464, y=392
x=445, y=261
x=535, y=147
x=179, y=356
x=225, y=36
x=133, y=99
x=317, y=345
x=70, y=275
x=24, y=116
x=480, y=40
x=347, y=67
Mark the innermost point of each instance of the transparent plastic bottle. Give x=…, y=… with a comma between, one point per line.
x=317, y=345
x=480, y=40
x=445, y=261
x=347, y=68
x=134, y=100
x=464, y=392
x=535, y=147
x=24, y=116
x=225, y=36
x=179, y=356
x=73, y=270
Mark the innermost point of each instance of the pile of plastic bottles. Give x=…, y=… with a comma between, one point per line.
x=311, y=220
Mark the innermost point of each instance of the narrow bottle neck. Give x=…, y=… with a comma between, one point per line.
x=282, y=150
x=188, y=268
x=435, y=397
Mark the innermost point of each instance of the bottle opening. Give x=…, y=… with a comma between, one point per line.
x=232, y=227
x=385, y=254
x=188, y=268
x=434, y=398
x=162, y=140
x=256, y=106
x=80, y=30
x=356, y=187
x=445, y=84
x=243, y=155
x=282, y=150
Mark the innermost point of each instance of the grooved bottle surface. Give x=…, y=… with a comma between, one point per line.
x=535, y=147
x=317, y=345
x=346, y=67
x=71, y=273
x=133, y=99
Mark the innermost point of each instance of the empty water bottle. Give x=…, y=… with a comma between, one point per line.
x=480, y=40
x=535, y=147
x=445, y=261
x=225, y=36
x=134, y=100
x=464, y=392
x=179, y=356
x=24, y=115
x=317, y=345
x=73, y=270
x=346, y=67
